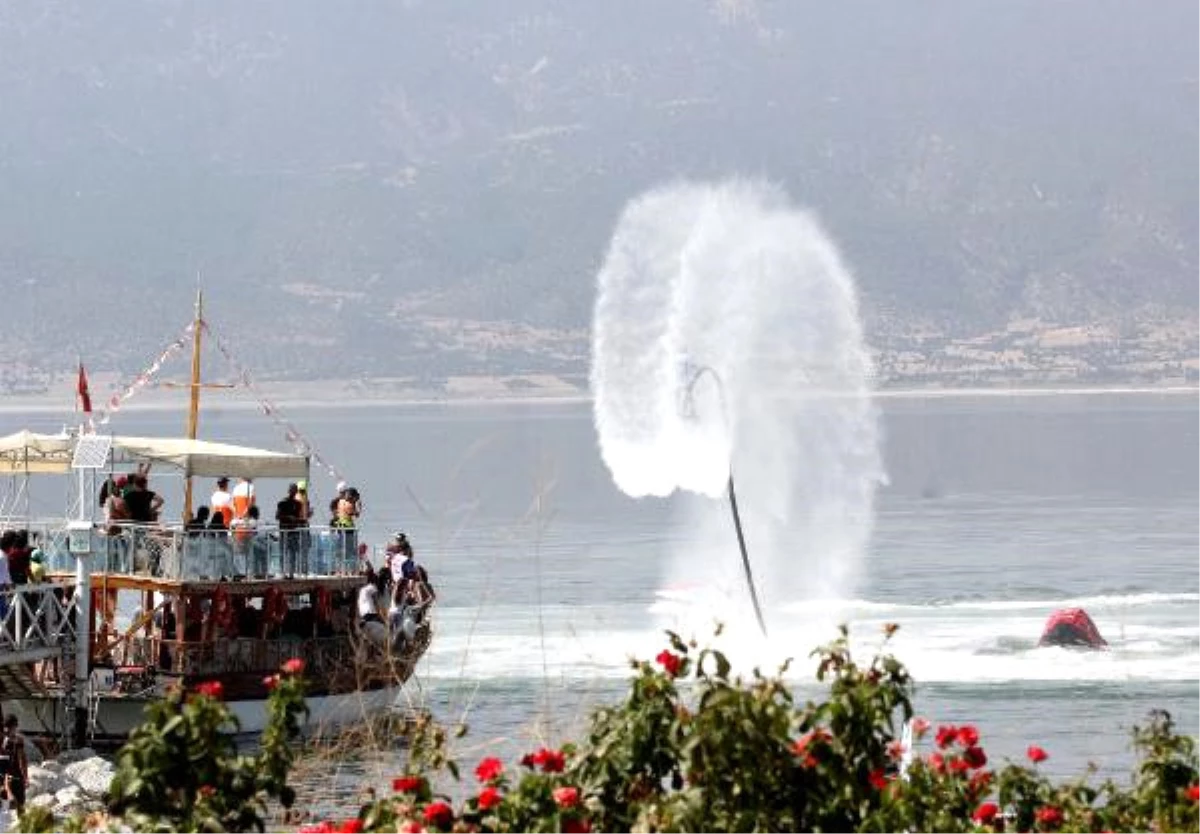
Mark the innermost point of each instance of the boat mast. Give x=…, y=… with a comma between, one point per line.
x=194, y=409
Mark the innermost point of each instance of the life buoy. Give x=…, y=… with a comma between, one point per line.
x=222, y=609
x=324, y=605
x=275, y=606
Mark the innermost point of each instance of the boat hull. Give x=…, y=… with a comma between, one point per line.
x=117, y=717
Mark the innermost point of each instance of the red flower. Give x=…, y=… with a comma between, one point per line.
x=958, y=765
x=1193, y=793
x=411, y=827
x=877, y=779
x=439, y=814
x=351, y=826
x=408, y=784
x=212, y=689
x=488, y=798
x=489, y=769
x=818, y=736
x=550, y=761
x=937, y=763
x=566, y=797
x=579, y=826
x=270, y=682
x=207, y=790
x=920, y=726
x=295, y=666
x=895, y=750
x=975, y=757
x=968, y=736
x=980, y=780
x=946, y=735
x=985, y=813
x=1049, y=815
x=1036, y=754
x=320, y=828
x=670, y=662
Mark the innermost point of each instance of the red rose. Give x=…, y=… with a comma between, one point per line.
x=212, y=689
x=937, y=763
x=877, y=780
x=439, y=814
x=351, y=826
x=411, y=827
x=573, y=826
x=980, y=780
x=270, y=682
x=550, y=761
x=895, y=750
x=566, y=797
x=670, y=662
x=1049, y=815
x=1193, y=793
x=408, y=784
x=1036, y=754
x=489, y=769
x=207, y=790
x=488, y=798
x=985, y=813
x=295, y=666
x=968, y=736
x=920, y=726
x=958, y=765
x=946, y=735
x=975, y=757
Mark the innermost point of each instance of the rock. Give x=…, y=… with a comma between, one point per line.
x=68, y=797
x=52, y=765
x=43, y=780
x=77, y=755
x=43, y=800
x=92, y=776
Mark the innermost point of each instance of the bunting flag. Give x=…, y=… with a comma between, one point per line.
x=139, y=382
x=292, y=434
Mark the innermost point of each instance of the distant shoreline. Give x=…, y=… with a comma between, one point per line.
x=302, y=396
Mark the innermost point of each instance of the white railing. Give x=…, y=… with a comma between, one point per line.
x=36, y=617
x=177, y=553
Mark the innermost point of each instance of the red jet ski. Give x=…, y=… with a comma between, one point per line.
x=1072, y=627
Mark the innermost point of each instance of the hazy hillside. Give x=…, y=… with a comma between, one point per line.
x=346, y=177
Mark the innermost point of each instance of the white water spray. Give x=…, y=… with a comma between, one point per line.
x=733, y=279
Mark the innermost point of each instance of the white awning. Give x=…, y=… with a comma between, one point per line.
x=26, y=451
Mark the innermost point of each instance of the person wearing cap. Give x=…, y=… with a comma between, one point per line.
x=221, y=499
x=37, y=566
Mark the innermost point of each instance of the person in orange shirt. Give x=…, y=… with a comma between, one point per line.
x=243, y=498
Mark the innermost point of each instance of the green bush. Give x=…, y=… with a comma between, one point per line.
x=691, y=748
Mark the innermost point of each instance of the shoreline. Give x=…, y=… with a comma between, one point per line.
x=302, y=396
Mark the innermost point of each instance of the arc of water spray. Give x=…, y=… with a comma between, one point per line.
x=733, y=505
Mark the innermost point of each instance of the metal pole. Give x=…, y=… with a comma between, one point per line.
x=194, y=407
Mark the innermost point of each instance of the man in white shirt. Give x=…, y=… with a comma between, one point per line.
x=369, y=621
x=222, y=501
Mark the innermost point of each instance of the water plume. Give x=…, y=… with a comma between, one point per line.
x=726, y=334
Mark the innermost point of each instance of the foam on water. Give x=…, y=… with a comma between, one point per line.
x=726, y=334
x=1151, y=637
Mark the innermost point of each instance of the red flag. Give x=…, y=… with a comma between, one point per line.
x=85, y=398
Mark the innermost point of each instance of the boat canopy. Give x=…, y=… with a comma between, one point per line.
x=28, y=452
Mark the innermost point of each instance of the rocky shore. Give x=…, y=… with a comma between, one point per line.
x=76, y=781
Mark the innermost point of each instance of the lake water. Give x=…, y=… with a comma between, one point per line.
x=997, y=511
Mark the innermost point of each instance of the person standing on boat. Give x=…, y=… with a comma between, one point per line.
x=345, y=520
x=289, y=514
x=221, y=499
x=369, y=621
x=242, y=498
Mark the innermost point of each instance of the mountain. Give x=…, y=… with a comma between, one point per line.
x=429, y=187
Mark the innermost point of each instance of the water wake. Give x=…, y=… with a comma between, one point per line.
x=726, y=334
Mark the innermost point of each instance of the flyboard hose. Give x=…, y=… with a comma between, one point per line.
x=733, y=505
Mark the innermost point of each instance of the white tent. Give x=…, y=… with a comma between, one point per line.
x=27, y=452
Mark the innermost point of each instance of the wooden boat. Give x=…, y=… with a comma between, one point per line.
x=129, y=610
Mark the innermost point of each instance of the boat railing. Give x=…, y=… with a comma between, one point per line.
x=175, y=553
x=324, y=657
x=34, y=617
